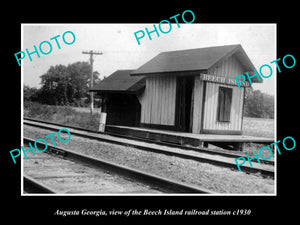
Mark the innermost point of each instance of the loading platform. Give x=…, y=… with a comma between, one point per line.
x=232, y=142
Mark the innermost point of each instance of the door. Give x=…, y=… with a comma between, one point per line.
x=184, y=93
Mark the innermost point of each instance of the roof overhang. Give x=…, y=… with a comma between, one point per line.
x=172, y=62
x=120, y=82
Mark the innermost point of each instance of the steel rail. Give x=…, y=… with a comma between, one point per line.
x=161, y=183
x=105, y=138
x=31, y=185
x=173, y=145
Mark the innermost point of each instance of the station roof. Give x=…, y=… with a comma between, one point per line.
x=120, y=82
x=199, y=59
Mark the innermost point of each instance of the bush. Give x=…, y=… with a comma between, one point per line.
x=38, y=111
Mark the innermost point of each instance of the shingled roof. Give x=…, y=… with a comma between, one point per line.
x=120, y=81
x=199, y=59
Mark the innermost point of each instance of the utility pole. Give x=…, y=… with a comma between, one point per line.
x=92, y=53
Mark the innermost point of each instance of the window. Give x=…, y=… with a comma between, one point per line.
x=224, y=104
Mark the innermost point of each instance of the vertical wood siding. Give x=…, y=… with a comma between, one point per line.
x=230, y=67
x=210, y=121
x=197, y=104
x=158, y=100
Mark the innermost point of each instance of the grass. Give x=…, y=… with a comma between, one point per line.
x=62, y=114
x=259, y=127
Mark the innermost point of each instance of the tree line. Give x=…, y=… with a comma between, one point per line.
x=69, y=85
x=258, y=104
x=63, y=85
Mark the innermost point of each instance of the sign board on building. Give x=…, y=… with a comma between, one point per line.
x=222, y=80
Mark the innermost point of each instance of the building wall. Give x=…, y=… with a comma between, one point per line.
x=210, y=121
x=197, y=104
x=158, y=100
x=230, y=67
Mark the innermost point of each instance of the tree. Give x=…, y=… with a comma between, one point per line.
x=65, y=85
x=30, y=94
x=258, y=104
x=54, y=85
x=79, y=75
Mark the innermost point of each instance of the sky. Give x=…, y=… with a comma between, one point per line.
x=121, y=50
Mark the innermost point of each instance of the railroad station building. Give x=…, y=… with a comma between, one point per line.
x=191, y=91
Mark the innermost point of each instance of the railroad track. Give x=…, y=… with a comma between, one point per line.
x=226, y=153
x=32, y=185
x=163, y=185
x=223, y=158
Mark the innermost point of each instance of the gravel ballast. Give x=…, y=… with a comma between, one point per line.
x=67, y=176
x=215, y=178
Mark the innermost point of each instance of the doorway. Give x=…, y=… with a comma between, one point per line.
x=184, y=106
x=122, y=110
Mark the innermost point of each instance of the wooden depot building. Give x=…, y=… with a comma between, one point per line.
x=190, y=90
